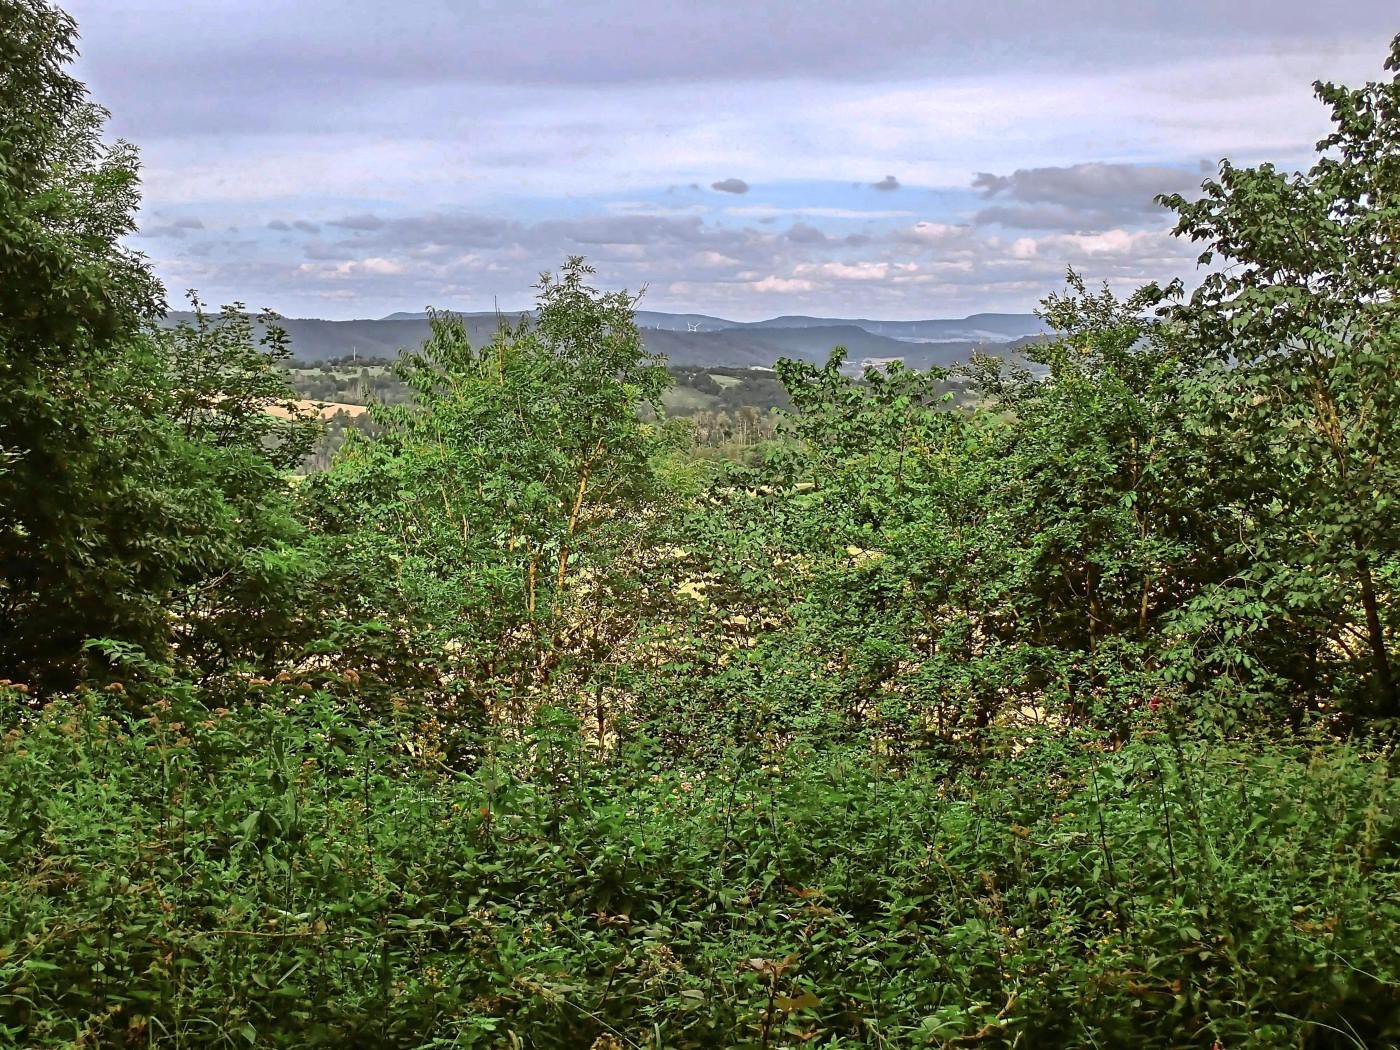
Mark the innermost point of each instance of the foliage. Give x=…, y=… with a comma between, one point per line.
x=1012, y=707
x=513, y=497
x=280, y=876
x=72, y=300
x=240, y=434
x=939, y=568
x=1307, y=316
x=143, y=472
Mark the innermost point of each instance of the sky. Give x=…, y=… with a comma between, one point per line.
x=890, y=159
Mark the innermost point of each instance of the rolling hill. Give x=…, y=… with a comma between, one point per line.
x=701, y=339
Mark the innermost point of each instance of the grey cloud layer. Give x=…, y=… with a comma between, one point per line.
x=169, y=68
x=300, y=225
x=466, y=260
x=1082, y=197
x=404, y=153
x=176, y=228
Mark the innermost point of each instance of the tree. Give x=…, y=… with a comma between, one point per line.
x=1105, y=483
x=143, y=490
x=73, y=302
x=236, y=435
x=501, y=518
x=1305, y=313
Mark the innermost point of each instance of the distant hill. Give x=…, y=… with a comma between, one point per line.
x=976, y=328
x=701, y=339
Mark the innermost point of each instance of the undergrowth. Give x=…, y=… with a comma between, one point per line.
x=285, y=876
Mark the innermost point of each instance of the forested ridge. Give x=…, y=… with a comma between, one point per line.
x=1061, y=713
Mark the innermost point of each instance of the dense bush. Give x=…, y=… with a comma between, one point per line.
x=281, y=876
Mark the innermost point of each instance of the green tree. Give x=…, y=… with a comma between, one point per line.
x=907, y=594
x=143, y=496
x=73, y=302
x=502, y=516
x=1106, y=484
x=1305, y=313
x=236, y=436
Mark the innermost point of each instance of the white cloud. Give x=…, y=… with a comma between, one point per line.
x=1110, y=242
x=373, y=266
x=781, y=284
x=936, y=232
x=860, y=271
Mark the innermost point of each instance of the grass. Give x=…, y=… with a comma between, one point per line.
x=724, y=382
x=683, y=400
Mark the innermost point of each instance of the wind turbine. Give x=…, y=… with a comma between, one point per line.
x=692, y=326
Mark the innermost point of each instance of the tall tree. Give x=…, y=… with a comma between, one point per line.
x=143, y=491
x=500, y=516
x=1305, y=310
x=73, y=301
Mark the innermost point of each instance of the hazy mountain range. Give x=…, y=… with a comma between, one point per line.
x=700, y=339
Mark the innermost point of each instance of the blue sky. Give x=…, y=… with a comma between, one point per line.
x=886, y=158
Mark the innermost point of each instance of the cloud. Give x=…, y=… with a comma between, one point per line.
x=373, y=264
x=717, y=259
x=542, y=152
x=221, y=61
x=1081, y=197
x=301, y=225
x=866, y=270
x=767, y=211
x=730, y=186
x=381, y=261
x=627, y=229
x=1023, y=248
x=781, y=284
x=932, y=232
x=1110, y=242
x=175, y=229
x=802, y=233
x=362, y=222
x=652, y=208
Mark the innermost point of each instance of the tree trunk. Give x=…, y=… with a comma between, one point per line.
x=1380, y=661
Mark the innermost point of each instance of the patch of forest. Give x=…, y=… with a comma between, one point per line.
x=730, y=410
